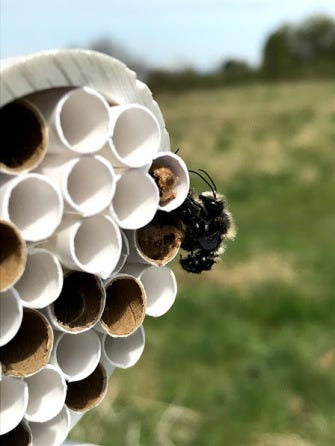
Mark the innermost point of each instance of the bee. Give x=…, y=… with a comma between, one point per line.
x=206, y=224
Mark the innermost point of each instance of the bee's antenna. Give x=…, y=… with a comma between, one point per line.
x=205, y=181
x=177, y=151
x=209, y=177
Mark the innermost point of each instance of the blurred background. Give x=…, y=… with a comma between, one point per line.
x=246, y=356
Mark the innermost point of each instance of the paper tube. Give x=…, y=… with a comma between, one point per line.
x=13, y=403
x=30, y=348
x=19, y=436
x=24, y=137
x=135, y=136
x=13, y=254
x=47, y=393
x=90, y=244
x=52, y=432
x=136, y=199
x=87, y=183
x=77, y=355
x=123, y=352
x=87, y=393
x=33, y=203
x=80, y=303
x=172, y=178
x=160, y=286
x=11, y=314
x=158, y=242
x=77, y=118
x=125, y=306
x=123, y=257
x=42, y=280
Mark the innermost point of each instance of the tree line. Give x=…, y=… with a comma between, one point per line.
x=302, y=51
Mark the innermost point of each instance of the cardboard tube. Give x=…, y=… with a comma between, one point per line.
x=13, y=254
x=30, y=348
x=125, y=306
x=47, y=393
x=77, y=118
x=172, y=178
x=24, y=138
x=158, y=242
x=160, y=286
x=124, y=255
x=87, y=183
x=19, y=436
x=80, y=304
x=135, y=136
x=91, y=244
x=13, y=403
x=136, y=199
x=11, y=314
x=33, y=203
x=42, y=280
x=87, y=393
x=77, y=355
x=124, y=352
x=52, y=432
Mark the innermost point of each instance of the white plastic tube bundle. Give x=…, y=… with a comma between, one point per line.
x=87, y=184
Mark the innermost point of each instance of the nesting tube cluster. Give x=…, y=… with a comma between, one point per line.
x=86, y=234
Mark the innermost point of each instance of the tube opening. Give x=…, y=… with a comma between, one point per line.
x=160, y=240
x=125, y=306
x=166, y=181
x=24, y=137
x=80, y=303
x=19, y=436
x=84, y=120
x=87, y=393
x=13, y=255
x=30, y=348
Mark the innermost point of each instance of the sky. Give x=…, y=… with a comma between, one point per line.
x=164, y=34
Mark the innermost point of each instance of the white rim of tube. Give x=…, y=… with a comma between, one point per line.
x=34, y=204
x=11, y=314
x=124, y=352
x=42, y=280
x=135, y=135
x=136, y=199
x=77, y=355
x=52, y=432
x=13, y=402
x=47, y=393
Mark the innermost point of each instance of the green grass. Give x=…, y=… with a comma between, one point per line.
x=246, y=356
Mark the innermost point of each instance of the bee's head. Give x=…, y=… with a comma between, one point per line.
x=214, y=204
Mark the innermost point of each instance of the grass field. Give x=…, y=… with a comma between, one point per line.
x=246, y=356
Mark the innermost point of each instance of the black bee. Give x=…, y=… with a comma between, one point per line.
x=206, y=223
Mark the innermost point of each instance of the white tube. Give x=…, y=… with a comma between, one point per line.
x=30, y=349
x=77, y=355
x=136, y=199
x=124, y=254
x=13, y=403
x=89, y=392
x=158, y=242
x=33, y=203
x=78, y=119
x=172, y=178
x=13, y=254
x=52, y=432
x=125, y=306
x=91, y=244
x=160, y=286
x=42, y=280
x=24, y=137
x=135, y=136
x=124, y=352
x=19, y=436
x=47, y=393
x=87, y=183
x=11, y=314
x=80, y=303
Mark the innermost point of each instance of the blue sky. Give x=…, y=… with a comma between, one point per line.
x=168, y=33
